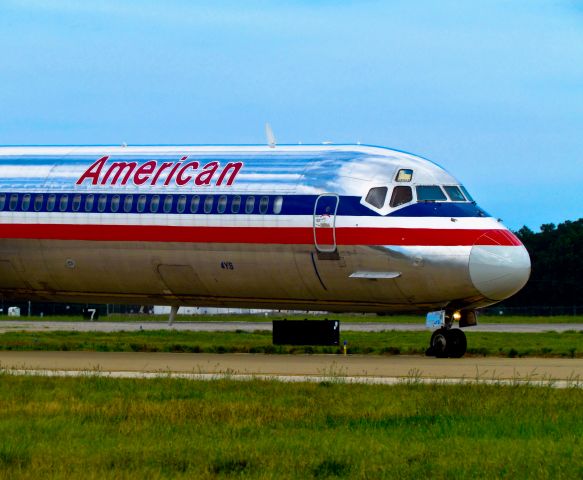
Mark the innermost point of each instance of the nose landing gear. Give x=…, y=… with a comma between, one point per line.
x=447, y=342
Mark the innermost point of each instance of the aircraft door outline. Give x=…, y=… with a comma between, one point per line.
x=324, y=222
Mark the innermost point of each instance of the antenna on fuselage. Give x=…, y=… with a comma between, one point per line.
x=270, y=136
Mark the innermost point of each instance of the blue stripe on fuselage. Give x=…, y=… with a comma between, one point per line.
x=440, y=209
x=291, y=205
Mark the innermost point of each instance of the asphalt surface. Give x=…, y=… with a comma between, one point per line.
x=87, y=326
x=352, y=368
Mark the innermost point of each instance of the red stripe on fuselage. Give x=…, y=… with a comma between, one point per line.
x=260, y=235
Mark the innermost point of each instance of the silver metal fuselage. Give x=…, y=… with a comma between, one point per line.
x=285, y=227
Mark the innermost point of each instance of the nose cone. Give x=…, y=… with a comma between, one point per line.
x=499, y=271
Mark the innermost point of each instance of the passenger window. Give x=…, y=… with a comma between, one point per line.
x=101, y=203
x=236, y=204
x=2, y=200
x=141, y=206
x=430, y=193
x=404, y=175
x=64, y=203
x=89, y=203
x=128, y=203
x=13, y=201
x=154, y=203
x=263, y=204
x=277, y=204
x=250, y=204
x=114, y=207
x=376, y=196
x=454, y=193
x=51, y=202
x=194, y=203
x=181, y=204
x=467, y=194
x=168, y=204
x=400, y=196
x=76, y=203
x=25, y=202
x=222, y=204
x=208, y=204
x=38, y=202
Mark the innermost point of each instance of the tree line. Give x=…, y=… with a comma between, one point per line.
x=556, y=253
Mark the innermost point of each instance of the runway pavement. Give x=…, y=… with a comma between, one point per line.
x=351, y=368
x=16, y=325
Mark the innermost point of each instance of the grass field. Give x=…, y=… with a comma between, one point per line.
x=549, y=344
x=104, y=428
x=343, y=317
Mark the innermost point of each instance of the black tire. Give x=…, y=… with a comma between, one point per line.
x=456, y=343
x=429, y=352
x=439, y=343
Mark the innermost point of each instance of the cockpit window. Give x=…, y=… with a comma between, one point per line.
x=468, y=196
x=404, y=175
x=376, y=196
x=400, y=196
x=454, y=193
x=430, y=193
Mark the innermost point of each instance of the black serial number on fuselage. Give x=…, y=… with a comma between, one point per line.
x=227, y=266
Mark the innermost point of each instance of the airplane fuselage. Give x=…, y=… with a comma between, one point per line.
x=337, y=228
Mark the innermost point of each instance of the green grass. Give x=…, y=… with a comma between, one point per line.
x=106, y=428
x=529, y=319
x=343, y=317
x=549, y=344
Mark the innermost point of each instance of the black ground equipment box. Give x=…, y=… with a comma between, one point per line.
x=306, y=332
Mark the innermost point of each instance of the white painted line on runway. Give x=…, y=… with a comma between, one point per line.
x=410, y=380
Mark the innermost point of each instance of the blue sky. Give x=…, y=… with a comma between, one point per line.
x=491, y=90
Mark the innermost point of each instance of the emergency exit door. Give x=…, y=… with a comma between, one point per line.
x=325, y=222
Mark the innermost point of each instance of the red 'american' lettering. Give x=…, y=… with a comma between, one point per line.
x=180, y=173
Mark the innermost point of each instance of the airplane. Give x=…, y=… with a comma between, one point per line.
x=339, y=228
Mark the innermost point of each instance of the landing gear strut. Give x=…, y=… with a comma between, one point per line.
x=447, y=342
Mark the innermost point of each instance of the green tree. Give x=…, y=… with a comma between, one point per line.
x=556, y=253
